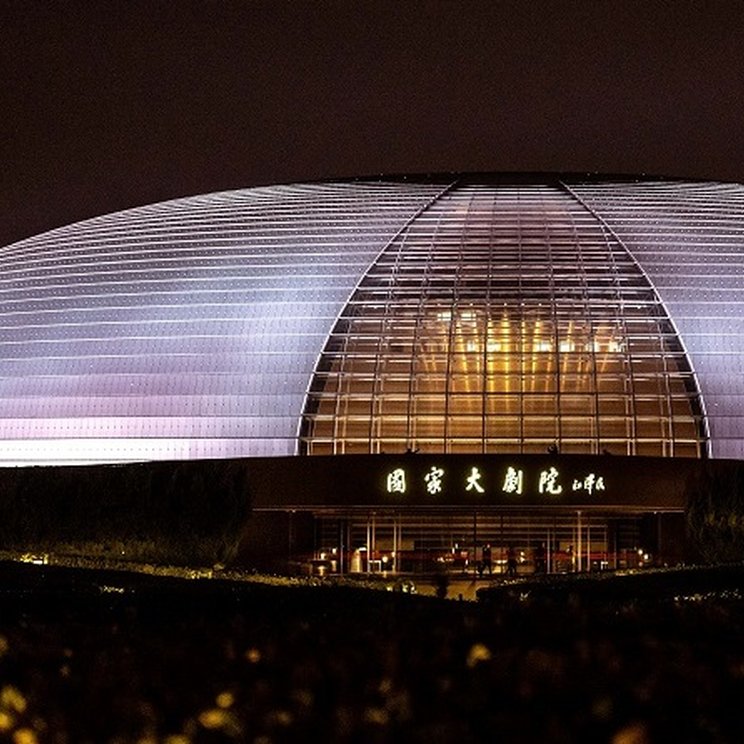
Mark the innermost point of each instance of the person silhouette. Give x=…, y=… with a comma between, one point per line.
x=486, y=558
x=511, y=561
x=540, y=558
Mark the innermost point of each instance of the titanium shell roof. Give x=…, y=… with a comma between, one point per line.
x=228, y=324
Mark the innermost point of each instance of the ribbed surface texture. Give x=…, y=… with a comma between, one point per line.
x=452, y=315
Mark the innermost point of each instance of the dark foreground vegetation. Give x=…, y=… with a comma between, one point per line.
x=187, y=512
x=105, y=656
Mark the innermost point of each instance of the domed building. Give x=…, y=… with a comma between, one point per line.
x=412, y=367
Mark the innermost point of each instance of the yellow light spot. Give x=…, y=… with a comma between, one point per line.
x=213, y=718
x=253, y=655
x=11, y=699
x=25, y=736
x=225, y=699
x=283, y=717
x=4, y=645
x=478, y=653
x=376, y=715
x=635, y=733
x=6, y=721
x=386, y=686
x=177, y=739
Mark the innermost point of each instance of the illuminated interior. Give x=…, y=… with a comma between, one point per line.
x=505, y=320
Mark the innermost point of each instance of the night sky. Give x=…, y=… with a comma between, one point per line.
x=111, y=105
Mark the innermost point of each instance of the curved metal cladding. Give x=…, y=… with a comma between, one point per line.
x=186, y=329
x=689, y=239
x=484, y=316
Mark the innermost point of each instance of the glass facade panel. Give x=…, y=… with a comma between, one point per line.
x=532, y=320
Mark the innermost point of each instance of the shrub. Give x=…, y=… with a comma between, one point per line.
x=715, y=512
x=175, y=512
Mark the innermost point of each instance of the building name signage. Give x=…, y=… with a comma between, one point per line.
x=509, y=480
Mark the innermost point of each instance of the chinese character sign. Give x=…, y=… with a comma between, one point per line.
x=549, y=482
x=434, y=480
x=589, y=484
x=396, y=481
x=478, y=480
x=513, y=481
x=473, y=481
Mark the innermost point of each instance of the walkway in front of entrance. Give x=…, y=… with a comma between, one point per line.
x=457, y=588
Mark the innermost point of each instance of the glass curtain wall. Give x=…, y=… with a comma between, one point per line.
x=422, y=543
x=504, y=319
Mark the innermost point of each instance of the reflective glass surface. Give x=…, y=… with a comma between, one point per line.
x=505, y=319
